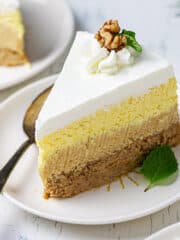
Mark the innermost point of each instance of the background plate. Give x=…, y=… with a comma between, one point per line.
x=49, y=29
x=98, y=206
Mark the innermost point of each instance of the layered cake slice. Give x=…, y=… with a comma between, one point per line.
x=112, y=103
x=11, y=34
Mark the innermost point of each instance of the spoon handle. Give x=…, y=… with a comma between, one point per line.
x=6, y=170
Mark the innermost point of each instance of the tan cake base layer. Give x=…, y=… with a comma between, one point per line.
x=12, y=58
x=105, y=170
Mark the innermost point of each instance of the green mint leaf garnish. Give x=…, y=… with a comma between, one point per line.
x=131, y=40
x=130, y=33
x=160, y=167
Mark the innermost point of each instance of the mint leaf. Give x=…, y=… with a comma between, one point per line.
x=129, y=33
x=131, y=40
x=160, y=167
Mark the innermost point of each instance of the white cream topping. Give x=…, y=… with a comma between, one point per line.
x=100, y=60
x=78, y=93
x=109, y=65
x=97, y=58
x=9, y=5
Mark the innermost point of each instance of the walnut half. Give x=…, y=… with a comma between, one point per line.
x=108, y=36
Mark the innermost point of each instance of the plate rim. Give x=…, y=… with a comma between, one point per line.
x=163, y=230
x=52, y=58
x=45, y=81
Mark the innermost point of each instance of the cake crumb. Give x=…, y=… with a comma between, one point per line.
x=121, y=182
x=132, y=180
x=108, y=187
x=46, y=195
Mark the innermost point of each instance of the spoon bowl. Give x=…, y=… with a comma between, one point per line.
x=33, y=112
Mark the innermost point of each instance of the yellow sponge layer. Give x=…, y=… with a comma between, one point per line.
x=14, y=19
x=131, y=111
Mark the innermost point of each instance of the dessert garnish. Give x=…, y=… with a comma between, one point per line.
x=108, y=36
x=160, y=167
x=111, y=37
x=113, y=49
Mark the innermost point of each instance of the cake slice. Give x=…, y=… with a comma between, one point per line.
x=12, y=51
x=110, y=106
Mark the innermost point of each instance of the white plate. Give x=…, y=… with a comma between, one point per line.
x=98, y=206
x=49, y=29
x=170, y=233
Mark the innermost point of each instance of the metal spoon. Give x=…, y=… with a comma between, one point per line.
x=29, y=128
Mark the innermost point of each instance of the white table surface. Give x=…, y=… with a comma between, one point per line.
x=157, y=24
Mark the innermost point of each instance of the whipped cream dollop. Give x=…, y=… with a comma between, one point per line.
x=8, y=5
x=110, y=62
